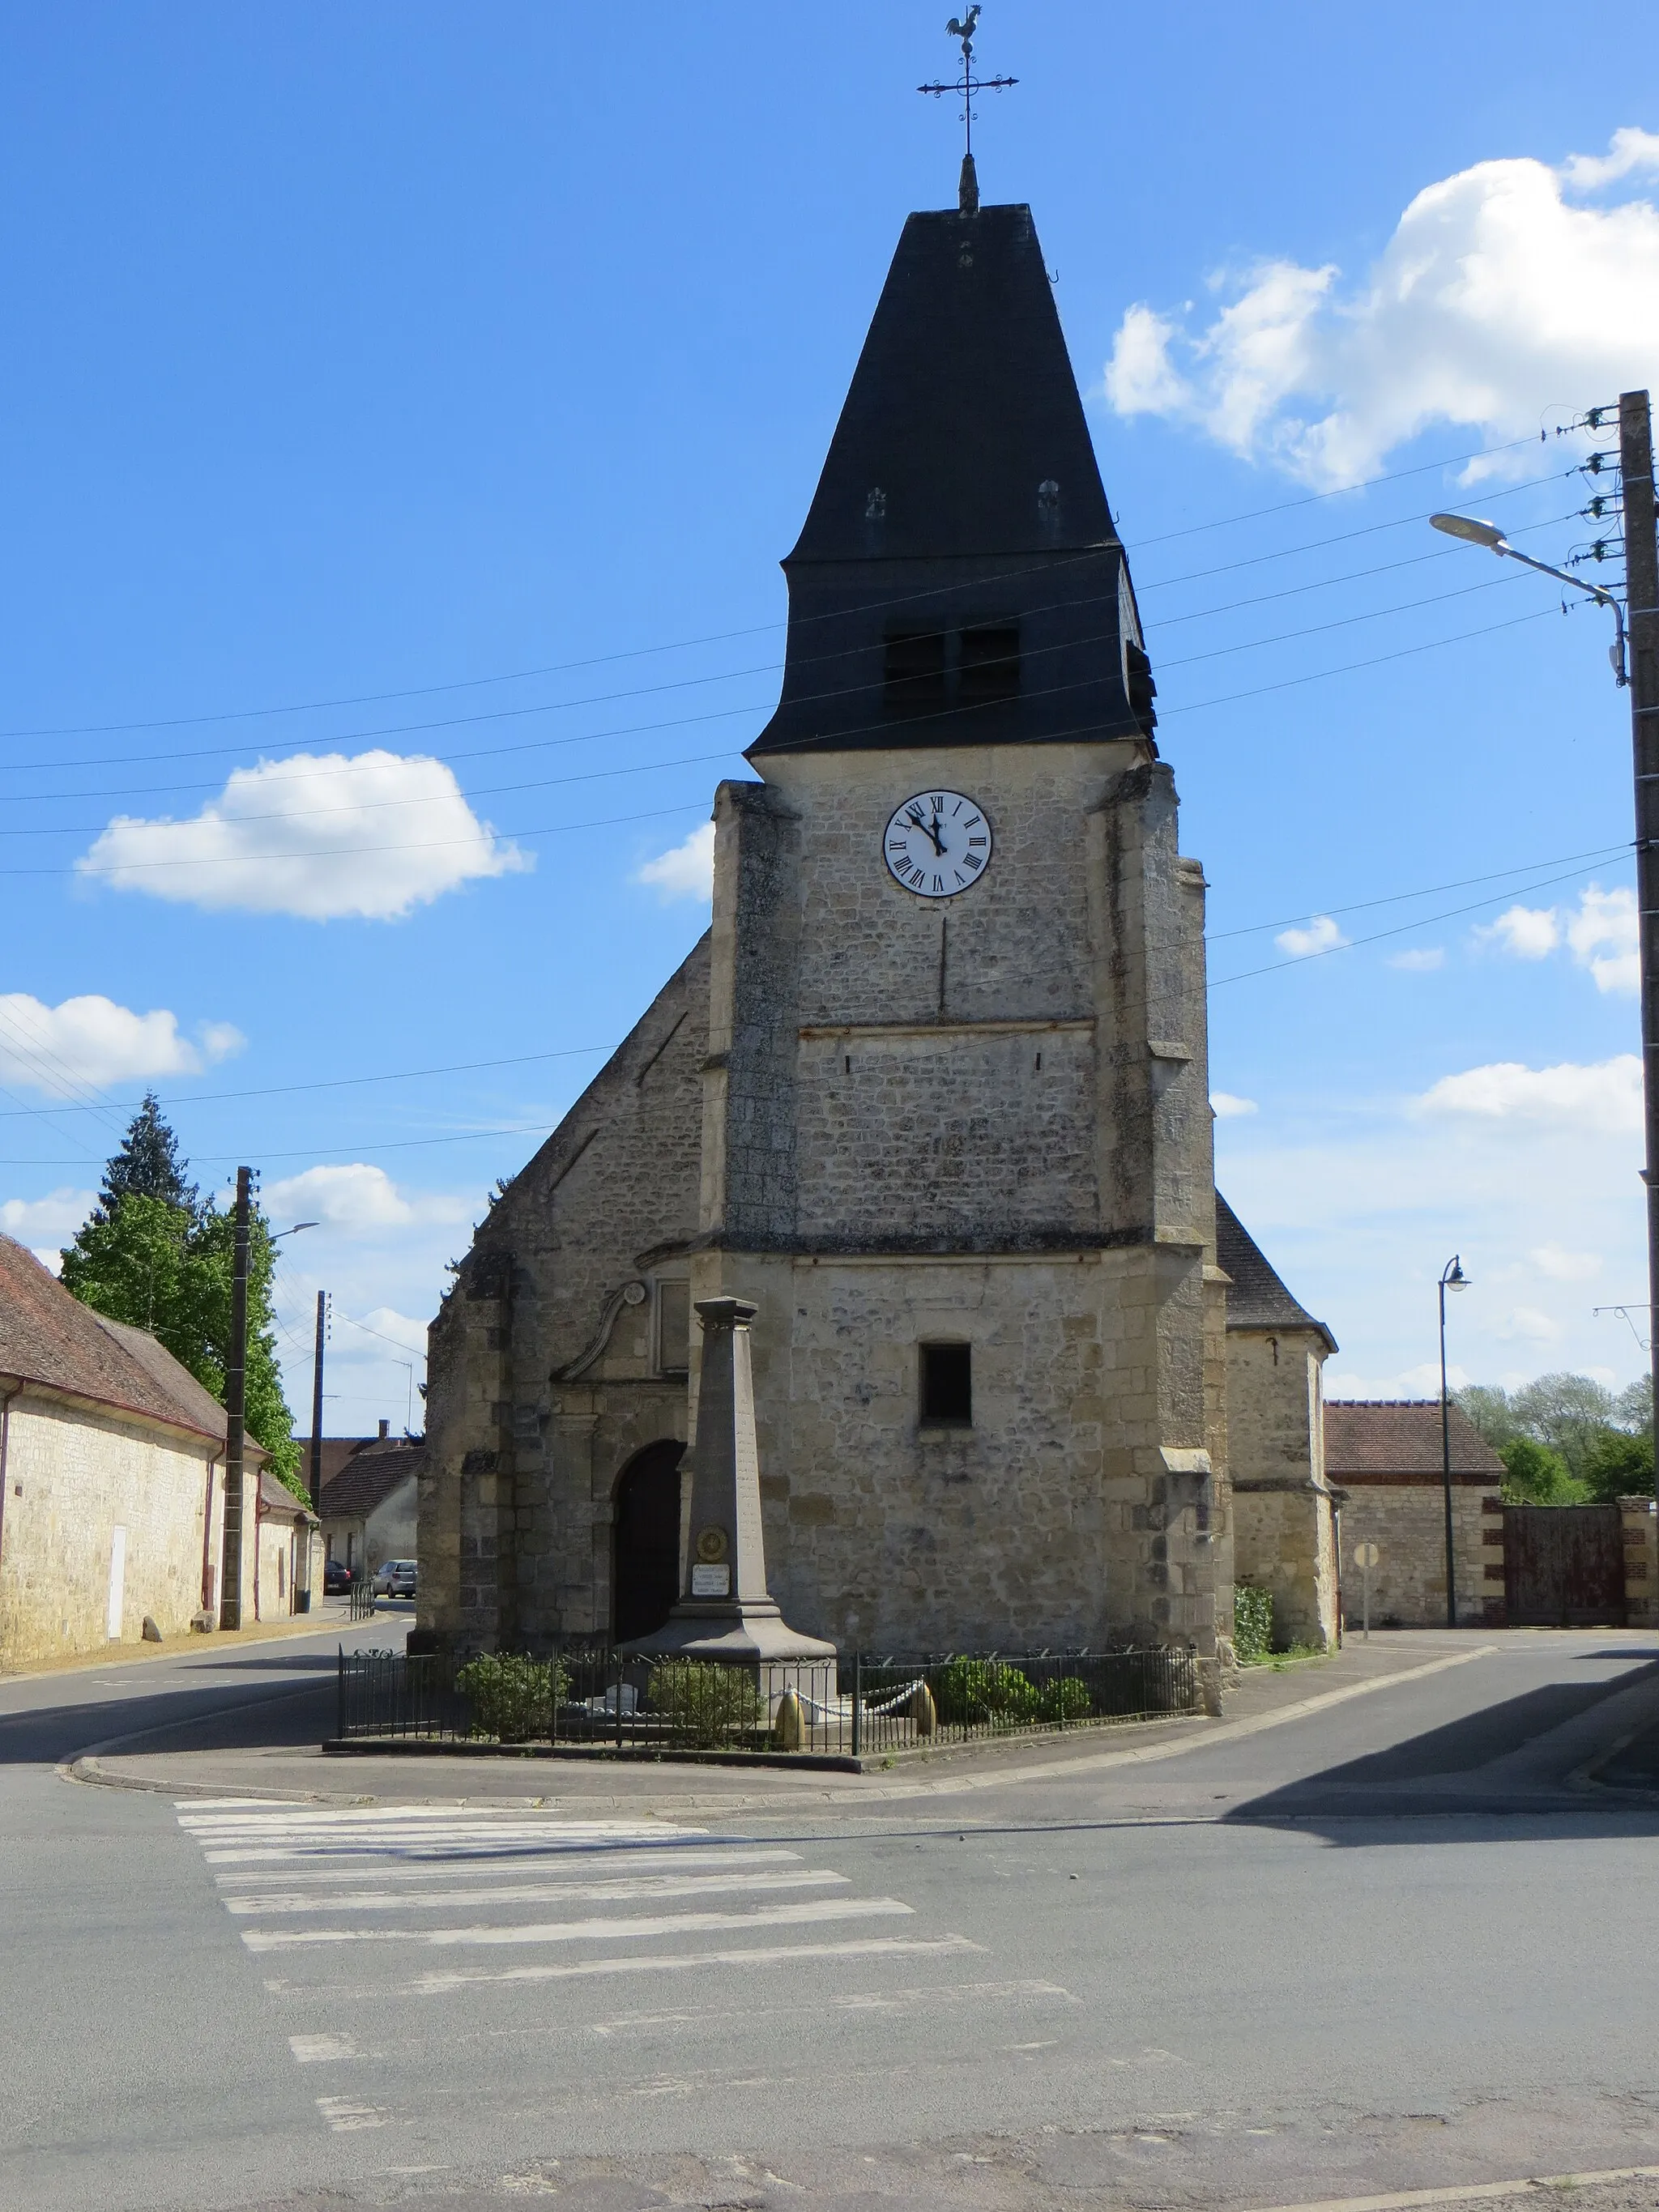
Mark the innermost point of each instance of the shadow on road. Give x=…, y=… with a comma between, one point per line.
x=1469, y=1770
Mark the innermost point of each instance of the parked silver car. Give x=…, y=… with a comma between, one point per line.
x=395, y=1579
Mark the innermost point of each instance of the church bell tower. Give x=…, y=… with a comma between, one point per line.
x=955, y=1128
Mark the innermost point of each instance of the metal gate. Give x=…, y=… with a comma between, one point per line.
x=1564, y=1566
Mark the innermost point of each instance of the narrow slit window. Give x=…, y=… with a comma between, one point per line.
x=990, y=663
x=673, y=1327
x=916, y=672
x=947, y=1384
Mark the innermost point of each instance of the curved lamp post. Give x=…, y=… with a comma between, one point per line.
x=1452, y=1278
x=1475, y=533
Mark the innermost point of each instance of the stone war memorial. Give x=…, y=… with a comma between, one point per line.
x=921, y=1127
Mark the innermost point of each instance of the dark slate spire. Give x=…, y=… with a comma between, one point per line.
x=962, y=408
x=959, y=580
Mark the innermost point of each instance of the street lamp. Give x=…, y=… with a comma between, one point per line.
x=1452, y=1278
x=1475, y=533
x=294, y=1231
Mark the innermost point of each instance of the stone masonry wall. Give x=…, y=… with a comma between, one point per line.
x=83, y=1472
x=1284, y=1540
x=1406, y=1522
x=516, y=1501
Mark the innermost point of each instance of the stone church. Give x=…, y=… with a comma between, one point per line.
x=931, y=1094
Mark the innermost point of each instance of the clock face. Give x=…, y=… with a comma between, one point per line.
x=937, y=844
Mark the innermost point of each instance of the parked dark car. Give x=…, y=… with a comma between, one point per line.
x=338, y=1578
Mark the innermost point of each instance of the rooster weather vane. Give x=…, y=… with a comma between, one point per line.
x=967, y=85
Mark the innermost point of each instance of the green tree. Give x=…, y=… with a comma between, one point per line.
x=1620, y=1465
x=1534, y=1475
x=166, y=1266
x=1569, y=1413
x=1488, y=1408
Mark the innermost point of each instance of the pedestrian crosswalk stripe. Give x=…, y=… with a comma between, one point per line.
x=366, y=1881
x=622, y=1888
x=618, y=1865
x=674, y=1962
x=581, y=1931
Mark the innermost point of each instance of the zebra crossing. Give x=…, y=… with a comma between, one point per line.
x=423, y=1903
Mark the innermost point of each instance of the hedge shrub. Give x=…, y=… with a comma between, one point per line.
x=1253, y=1623
x=707, y=1704
x=512, y=1697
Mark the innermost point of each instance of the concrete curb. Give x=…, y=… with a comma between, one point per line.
x=1196, y=1734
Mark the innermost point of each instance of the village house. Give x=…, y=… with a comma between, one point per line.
x=932, y=1095
x=111, y=1493
x=369, y=1504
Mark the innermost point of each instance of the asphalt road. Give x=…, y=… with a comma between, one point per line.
x=1389, y=1945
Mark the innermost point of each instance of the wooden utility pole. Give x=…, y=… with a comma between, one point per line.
x=317, y=1406
x=230, y=1581
x=1642, y=615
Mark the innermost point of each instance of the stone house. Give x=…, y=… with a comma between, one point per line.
x=288, y=1563
x=1285, y=1510
x=111, y=1500
x=369, y=1507
x=932, y=1092
x=1385, y=1455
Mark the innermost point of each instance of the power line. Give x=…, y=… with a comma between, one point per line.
x=511, y=713
x=697, y=760
x=579, y=1052
x=681, y=644
x=1276, y=968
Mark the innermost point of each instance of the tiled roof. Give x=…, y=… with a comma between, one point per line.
x=1257, y=1299
x=275, y=1498
x=369, y=1478
x=48, y=1337
x=1402, y=1436
x=337, y=1452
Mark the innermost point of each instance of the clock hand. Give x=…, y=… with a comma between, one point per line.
x=931, y=828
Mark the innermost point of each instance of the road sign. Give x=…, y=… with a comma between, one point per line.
x=1365, y=1555
x=1365, y=1558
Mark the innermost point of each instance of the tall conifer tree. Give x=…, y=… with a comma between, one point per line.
x=153, y=1254
x=147, y=1165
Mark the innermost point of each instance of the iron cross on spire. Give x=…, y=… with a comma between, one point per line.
x=967, y=85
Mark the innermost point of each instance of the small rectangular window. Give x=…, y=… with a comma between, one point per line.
x=916, y=672
x=947, y=1384
x=673, y=1327
x=990, y=663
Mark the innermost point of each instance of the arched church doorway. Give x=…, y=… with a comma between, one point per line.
x=646, y=1561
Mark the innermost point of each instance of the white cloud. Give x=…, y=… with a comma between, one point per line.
x=1530, y=932
x=1495, y=298
x=1630, y=150
x=318, y=835
x=1564, y=1267
x=1321, y=935
x=355, y=1198
x=1419, y=959
x=1604, y=1098
x=1229, y=1109
x=46, y=1225
x=91, y=1040
x=685, y=871
x=1422, y=1380
x=1531, y=1326
x=1601, y=934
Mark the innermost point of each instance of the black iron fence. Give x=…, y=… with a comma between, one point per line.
x=593, y=1695
x=361, y=1597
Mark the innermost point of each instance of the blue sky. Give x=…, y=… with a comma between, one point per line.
x=465, y=368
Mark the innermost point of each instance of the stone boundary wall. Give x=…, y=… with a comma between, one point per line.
x=1405, y=1516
